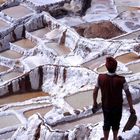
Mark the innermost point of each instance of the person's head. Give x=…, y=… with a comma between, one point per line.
x=111, y=64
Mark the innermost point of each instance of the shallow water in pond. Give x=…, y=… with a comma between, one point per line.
x=3, y=24
x=11, y=54
x=125, y=58
x=60, y=50
x=17, y=11
x=9, y=120
x=40, y=32
x=41, y=111
x=133, y=35
x=82, y=99
x=3, y=68
x=88, y=120
x=95, y=63
x=21, y=97
x=135, y=68
x=18, y=107
x=25, y=43
x=10, y=76
x=135, y=82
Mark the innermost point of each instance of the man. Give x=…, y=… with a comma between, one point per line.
x=111, y=86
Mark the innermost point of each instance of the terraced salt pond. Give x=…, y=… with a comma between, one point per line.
x=11, y=75
x=128, y=57
x=3, y=24
x=40, y=32
x=135, y=82
x=59, y=49
x=125, y=58
x=17, y=12
x=135, y=68
x=25, y=43
x=94, y=63
x=21, y=97
x=41, y=111
x=9, y=120
x=3, y=68
x=81, y=99
x=10, y=54
x=94, y=119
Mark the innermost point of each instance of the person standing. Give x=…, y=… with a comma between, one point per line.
x=111, y=86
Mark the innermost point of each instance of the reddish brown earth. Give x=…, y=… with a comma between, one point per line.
x=103, y=29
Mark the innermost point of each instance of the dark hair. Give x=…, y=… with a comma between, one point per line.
x=111, y=64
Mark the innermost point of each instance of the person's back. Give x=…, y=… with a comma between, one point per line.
x=111, y=89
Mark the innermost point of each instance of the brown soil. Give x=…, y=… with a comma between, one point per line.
x=104, y=30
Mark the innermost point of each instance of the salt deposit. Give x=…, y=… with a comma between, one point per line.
x=56, y=63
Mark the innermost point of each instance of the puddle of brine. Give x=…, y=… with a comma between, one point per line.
x=134, y=3
x=3, y=24
x=102, y=69
x=21, y=97
x=126, y=8
x=88, y=120
x=95, y=63
x=135, y=82
x=3, y=68
x=60, y=50
x=11, y=54
x=40, y=32
x=41, y=111
x=27, y=106
x=9, y=120
x=17, y=11
x=11, y=75
x=129, y=57
x=25, y=43
x=82, y=99
x=135, y=68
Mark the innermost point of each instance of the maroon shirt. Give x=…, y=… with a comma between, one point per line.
x=111, y=90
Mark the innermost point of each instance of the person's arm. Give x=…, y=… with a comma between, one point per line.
x=95, y=95
x=129, y=99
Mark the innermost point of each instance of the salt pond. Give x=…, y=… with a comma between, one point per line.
x=25, y=43
x=21, y=97
x=11, y=54
x=17, y=12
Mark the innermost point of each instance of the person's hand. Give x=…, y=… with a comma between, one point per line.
x=132, y=111
x=94, y=108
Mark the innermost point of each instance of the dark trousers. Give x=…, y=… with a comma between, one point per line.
x=112, y=118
